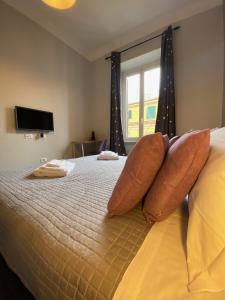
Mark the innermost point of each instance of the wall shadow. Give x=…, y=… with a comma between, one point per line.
x=10, y=120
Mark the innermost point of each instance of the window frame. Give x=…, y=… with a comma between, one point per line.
x=124, y=103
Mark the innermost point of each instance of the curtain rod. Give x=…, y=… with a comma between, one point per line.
x=148, y=40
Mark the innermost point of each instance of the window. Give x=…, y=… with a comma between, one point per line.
x=150, y=112
x=133, y=104
x=129, y=114
x=140, y=101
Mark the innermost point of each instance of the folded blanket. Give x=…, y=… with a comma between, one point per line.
x=108, y=155
x=54, y=169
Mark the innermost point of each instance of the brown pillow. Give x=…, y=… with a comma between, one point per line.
x=177, y=175
x=138, y=174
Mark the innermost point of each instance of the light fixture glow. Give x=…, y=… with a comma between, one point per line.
x=60, y=4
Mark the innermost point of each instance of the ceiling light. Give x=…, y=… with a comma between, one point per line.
x=60, y=4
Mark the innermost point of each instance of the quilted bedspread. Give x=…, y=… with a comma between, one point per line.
x=55, y=235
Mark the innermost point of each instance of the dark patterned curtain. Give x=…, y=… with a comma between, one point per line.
x=116, y=133
x=165, y=122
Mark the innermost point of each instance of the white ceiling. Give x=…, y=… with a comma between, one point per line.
x=96, y=27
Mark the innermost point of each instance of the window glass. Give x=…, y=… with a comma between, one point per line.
x=133, y=105
x=129, y=114
x=140, y=101
x=151, y=95
x=150, y=112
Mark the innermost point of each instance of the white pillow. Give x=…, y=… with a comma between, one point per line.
x=218, y=133
x=206, y=227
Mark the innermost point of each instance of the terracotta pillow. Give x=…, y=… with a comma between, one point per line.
x=182, y=165
x=138, y=174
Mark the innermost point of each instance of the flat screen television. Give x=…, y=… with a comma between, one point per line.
x=33, y=119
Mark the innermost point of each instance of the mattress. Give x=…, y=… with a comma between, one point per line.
x=55, y=236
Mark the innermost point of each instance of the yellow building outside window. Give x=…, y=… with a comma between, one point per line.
x=150, y=114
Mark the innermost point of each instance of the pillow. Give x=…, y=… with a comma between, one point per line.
x=176, y=137
x=218, y=133
x=206, y=227
x=173, y=140
x=166, y=142
x=138, y=174
x=214, y=129
x=180, y=170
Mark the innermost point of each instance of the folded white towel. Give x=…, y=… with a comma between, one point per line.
x=46, y=167
x=55, y=163
x=48, y=170
x=108, y=155
x=42, y=173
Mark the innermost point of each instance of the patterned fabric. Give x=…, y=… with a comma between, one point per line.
x=55, y=235
x=165, y=122
x=116, y=133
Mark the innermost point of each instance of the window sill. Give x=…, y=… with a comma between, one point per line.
x=133, y=141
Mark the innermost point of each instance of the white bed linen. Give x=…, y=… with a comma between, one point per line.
x=159, y=270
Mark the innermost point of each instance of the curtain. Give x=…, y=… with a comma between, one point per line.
x=116, y=133
x=165, y=122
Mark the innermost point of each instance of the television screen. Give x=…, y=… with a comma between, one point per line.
x=32, y=119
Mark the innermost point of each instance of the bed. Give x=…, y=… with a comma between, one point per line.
x=54, y=233
x=161, y=272
x=55, y=236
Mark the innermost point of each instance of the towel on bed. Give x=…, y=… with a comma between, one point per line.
x=108, y=155
x=54, y=168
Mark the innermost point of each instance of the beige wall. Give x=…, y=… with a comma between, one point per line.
x=199, y=68
x=39, y=71
x=199, y=64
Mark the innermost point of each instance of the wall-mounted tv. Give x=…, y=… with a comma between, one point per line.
x=33, y=119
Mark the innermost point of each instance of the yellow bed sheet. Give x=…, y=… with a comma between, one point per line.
x=159, y=270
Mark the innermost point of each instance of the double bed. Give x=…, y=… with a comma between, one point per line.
x=54, y=234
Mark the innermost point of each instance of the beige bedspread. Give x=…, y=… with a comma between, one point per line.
x=55, y=236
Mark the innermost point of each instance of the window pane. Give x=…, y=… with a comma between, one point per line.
x=151, y=95
x=133, y=105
